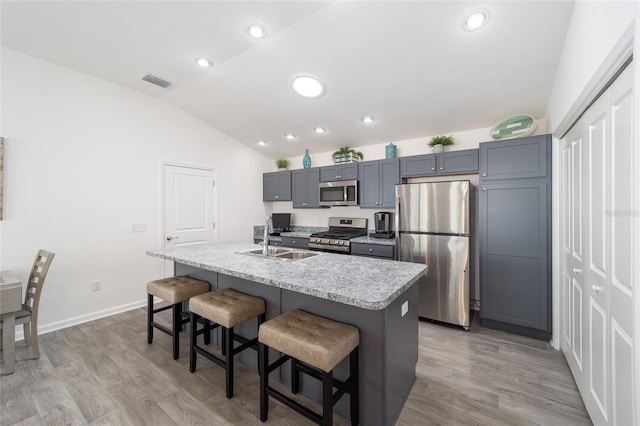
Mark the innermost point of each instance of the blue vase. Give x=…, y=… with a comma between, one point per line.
x=390, y=151
x=306, y=161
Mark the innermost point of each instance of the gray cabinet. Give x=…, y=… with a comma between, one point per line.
x=373, y=250
x=445, y=163
x=378, y=180
x=301, y=243
x=276, y=186
x=306, y=189
x=336, y=172
x=517, y=158
x=515, y=237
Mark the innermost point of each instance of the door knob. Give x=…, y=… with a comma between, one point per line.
x=577, y=271
x=169, y=238
x=597, y=288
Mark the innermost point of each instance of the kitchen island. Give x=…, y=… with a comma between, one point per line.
x=377, y=296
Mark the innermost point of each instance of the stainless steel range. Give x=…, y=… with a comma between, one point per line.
x=336, y=239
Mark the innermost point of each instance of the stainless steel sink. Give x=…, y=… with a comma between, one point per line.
x=281, y=253
x=272, y=251
x=297, y=255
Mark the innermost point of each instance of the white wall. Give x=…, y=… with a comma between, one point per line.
x=83, y=161
x=594, y=29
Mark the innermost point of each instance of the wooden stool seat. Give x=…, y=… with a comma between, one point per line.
x=174, y=290
x=225, y=309
x=315, y=346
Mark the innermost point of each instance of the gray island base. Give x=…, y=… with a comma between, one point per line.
x=377, y=296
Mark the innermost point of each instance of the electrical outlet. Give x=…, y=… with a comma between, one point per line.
x=138, y=227
x=405, y=308
x=96, y=285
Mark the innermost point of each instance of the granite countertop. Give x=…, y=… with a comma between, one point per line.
x=380, y=241
x=363, y=282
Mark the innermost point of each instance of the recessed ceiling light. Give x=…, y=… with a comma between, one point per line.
x=319, y=130
x=367, y=119
x=307, y=86
x=290, y=136
x=257, y=31
x=476, y=19
x=204, y=62
x=261, y=142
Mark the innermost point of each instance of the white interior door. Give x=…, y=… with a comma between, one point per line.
x=189, y=208
x=597, y=246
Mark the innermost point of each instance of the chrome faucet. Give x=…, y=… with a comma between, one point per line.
x=265, y=239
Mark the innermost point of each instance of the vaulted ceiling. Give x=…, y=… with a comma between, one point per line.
x=411, y=65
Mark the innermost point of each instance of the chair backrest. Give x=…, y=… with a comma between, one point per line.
x=36, y=279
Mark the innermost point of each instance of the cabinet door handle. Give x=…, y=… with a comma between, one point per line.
x=441, y=168
x=277, y=196
x=484, y=189
x=293, y=242
x=577, y=271
x=597, y=288
x=433, y=169
x=484, y=174
x=371, y=250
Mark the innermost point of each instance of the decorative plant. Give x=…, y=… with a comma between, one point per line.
x=345, y=151
x=441, y=140
x=282, y=163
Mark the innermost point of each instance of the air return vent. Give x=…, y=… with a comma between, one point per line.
x=157, y=81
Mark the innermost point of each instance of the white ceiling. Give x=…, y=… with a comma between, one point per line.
x=409, y=64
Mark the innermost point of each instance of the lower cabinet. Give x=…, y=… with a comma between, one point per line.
x=373, y=250
x=293, y=242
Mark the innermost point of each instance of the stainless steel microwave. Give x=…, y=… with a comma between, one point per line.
x=339, y=193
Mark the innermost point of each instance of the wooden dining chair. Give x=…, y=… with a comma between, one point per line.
x=28, y=315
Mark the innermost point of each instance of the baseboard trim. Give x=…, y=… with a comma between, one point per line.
x=47, y=328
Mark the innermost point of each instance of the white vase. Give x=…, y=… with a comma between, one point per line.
x=437, y=148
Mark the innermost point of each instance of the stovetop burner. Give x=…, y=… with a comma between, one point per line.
x=336, y=239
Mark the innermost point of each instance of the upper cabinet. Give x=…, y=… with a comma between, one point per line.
x=276, y=186
x=516, y=158
x=348, y=171
x=445, y=163
x=378, y=180
x=306, y=189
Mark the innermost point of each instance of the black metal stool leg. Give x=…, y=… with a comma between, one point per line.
x=229, y=361
x=207, y=332
x=263, y=362
x=149, y=318
x=223, y=348
x=295, y=377
x=354, y=395
x=327, y=396
x=192, y=342
x=177, y=325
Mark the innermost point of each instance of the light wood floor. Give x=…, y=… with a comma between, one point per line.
x=104, y=373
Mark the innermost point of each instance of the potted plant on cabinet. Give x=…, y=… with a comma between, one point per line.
x=346, y=155
x=438, y=143
x=282, y=163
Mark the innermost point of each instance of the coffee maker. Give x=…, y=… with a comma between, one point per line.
x=382, y=221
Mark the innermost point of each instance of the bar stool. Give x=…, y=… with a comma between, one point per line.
x=315, y=345
x=224, y=308
x=174, y=290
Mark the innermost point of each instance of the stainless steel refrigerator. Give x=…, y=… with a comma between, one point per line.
x=433, y=226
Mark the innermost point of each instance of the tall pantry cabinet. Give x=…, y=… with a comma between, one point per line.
x=515, y=235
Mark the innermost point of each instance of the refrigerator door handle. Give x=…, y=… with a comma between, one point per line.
x=397, y=225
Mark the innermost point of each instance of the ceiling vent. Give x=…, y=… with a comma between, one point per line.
x=157, y=81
